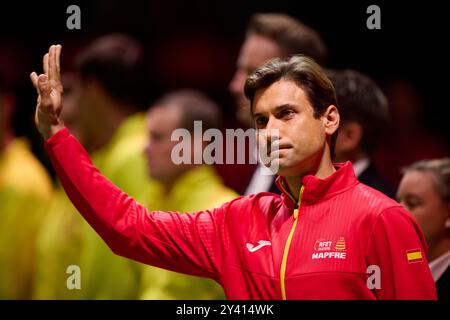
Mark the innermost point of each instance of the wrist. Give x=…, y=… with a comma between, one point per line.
x=51, y=130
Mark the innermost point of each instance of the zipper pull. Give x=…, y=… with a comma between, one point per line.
x=297, y=204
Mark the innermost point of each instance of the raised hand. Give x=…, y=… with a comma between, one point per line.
x=50, y=90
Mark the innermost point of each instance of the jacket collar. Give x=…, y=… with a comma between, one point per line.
x=317, y=190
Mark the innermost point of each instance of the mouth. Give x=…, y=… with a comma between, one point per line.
x=280, y=145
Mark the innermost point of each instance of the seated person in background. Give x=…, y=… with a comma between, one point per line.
x=185, y=187
x=364, y=115
x=425, y=191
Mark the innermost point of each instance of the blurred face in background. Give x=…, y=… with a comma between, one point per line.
x=419, y=194
x=71, y=111
x=161, y=122
x=84, y=102
x=254, y=52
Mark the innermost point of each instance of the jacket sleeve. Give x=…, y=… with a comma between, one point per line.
x=188, y=243
x=397, y=246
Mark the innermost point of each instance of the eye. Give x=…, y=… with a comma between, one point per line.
x=261, y=122
x=411, y=203
x=156, y=136
x=287, y=113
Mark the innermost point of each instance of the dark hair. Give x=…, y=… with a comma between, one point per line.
x=194, y=106
x=440, y=168
x=116, y=61
x=291, y=35
x=362, y=101
x=306, y=74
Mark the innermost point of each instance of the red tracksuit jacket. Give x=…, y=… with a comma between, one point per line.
x=343, y=240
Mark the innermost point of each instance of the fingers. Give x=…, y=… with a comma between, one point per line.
x=44, y=90
x=53, y=63
x=53, y=67
x=45, y=64
x=58, y=57
x=34, y=79
x=51, y=78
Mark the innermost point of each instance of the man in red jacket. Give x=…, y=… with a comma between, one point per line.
x=326, y=237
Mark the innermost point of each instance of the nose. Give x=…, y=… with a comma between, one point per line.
x=272, y=129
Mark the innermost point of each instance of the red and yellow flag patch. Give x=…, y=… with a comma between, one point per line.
x=414, y=255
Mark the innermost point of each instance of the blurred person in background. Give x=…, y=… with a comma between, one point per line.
x=425, y=191
x=105, y=95
x=25, y=189
x=268, y=36
x=364, y=114
x=185, y=187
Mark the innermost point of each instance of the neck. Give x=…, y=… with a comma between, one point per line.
x=321, y=168
x=5, y=140
x=169, y=183
x=111, y=116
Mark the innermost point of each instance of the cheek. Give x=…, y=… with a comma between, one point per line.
x=429, y=219
x=309, y=139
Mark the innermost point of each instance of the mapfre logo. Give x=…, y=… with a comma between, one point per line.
x=324, y=249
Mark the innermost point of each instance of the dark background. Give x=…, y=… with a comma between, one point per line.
x=195, y=43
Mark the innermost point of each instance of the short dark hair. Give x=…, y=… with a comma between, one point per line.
x=306, y=74
x=116, y=61
x=291, y=35
x=361, y=100
x=194, y=106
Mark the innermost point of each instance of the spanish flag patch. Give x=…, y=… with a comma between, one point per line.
x=414, y=255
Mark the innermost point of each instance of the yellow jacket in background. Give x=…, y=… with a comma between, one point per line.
x=25, y=189
x=66, y=239
x=200, y=188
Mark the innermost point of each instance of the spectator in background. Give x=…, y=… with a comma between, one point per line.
x=25, y=189
x=425, y=191
x=106, y=88
x=364, y=116
x=268, y=36
x=185, y=187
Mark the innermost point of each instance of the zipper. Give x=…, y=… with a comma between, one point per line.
x=288, y=242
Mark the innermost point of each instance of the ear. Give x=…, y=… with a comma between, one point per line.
x=350, y=135
x=331, y=119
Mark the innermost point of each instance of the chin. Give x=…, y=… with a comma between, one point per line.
x=279, y=167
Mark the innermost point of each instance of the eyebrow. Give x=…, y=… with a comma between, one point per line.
x=278, y=108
